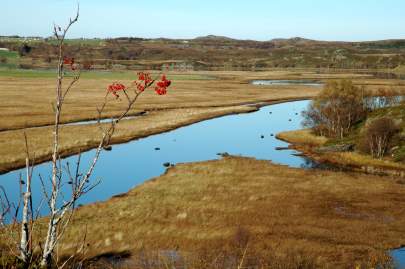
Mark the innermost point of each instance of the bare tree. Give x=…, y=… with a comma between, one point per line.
x=336, y=109
x=61, y=207
x=378, y=135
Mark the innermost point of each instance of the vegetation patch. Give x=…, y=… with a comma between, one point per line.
x=329, y=219
x=354, y=128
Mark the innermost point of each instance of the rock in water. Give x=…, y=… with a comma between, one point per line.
x=107, y=148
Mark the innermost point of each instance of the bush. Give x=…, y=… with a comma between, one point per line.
x=24, y=50
x=337, y=109
x=378, y=136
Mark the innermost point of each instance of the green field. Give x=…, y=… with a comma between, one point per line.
x=114, y=75
x=9, y=59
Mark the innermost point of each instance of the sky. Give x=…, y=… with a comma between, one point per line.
x=340, y=20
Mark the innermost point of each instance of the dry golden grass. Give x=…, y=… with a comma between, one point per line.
x=75, y=138
x=340, y=219
x=307, y=142
x=304, y=136
x=358, y=159
x=26, y=102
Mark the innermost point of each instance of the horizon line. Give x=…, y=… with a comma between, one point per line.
x=212, y=37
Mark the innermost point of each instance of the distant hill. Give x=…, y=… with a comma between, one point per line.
x=212, y=52
x=214, y=37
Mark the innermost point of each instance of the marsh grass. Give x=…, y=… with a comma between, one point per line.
x=323, y=219
x=304, y=136
x=192, y=98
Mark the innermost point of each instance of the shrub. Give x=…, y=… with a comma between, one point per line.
x=338, y=107
x=378, y=136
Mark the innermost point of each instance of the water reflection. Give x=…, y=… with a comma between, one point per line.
x=130, y=164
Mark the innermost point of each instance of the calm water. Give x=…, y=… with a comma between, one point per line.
x=268, y=82
x=130, y=164
x=399, y=258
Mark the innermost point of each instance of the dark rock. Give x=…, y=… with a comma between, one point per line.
x=223, y=154
x=166, y=164
x=298, y=154
x=120, y=195
x=107, y=148
x=282, y=148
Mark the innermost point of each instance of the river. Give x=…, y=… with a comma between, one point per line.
x=128, y=165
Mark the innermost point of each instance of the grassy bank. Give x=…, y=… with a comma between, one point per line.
x=192, y=98
x=75, y=138
x=31, y=97
x=311, y=145
x=335, y=220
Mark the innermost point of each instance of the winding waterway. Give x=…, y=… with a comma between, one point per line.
x=130, y=164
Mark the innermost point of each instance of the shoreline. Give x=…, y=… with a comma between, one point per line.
x=339, y=208
x=308, y=149
x=247, y=107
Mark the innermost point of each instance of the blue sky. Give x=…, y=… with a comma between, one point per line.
x=350, y=20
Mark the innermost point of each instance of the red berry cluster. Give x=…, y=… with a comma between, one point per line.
x=115, y=87
x=70, y=62
x=143, y=82
x=162, y=85
x=144, y=79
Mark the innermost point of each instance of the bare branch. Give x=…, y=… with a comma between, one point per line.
x=72, y=83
